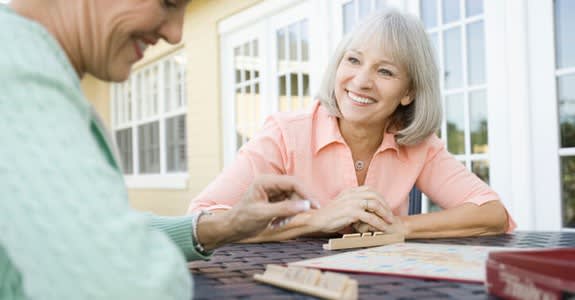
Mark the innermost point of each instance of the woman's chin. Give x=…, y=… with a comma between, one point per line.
x=118, y=74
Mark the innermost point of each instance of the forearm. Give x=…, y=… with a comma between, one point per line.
x=214, y=230
x=297, y=226
x=465, y=220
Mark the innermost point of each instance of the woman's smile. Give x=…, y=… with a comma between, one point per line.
x=358, y=99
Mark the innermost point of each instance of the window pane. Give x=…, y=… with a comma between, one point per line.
x=295, y=100
x=238, y=76
x=473, y=7
x=127, y=107
x=124, y=142
x=306, y=95
x=247, y=49
x=452, y=58
x=566, y=91
x=176, y=150
x=255, y=50
x=181, y=95
x=241, y=117
x=304, y=41
x=379, y=4
x=284, y=104
x=478, y=121
x=481, y=169
x=364, y=8
x=294, y=91
x=348, y=17
x=281, y=44
x=168, y=83
x=455, y=124
x=476, y=53
x=149, y=148
x=116, y=104
x=155, y=80
x=139, y=96
x=565, y=39
x=568, y=190
x=428, y=12
x=145, y=95
x=434, y=38
x=450, y=11
x=293, y=31
x=305, y=78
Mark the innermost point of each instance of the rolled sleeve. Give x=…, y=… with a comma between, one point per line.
x=448, y=183
x=179, y=230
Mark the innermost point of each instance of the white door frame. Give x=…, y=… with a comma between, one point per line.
x=544, y=116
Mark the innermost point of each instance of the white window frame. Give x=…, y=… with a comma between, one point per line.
x=545, y=132
x=520, y=171
x=269, y=15
x=337, y=14
x=510, y=187
x=163, y=179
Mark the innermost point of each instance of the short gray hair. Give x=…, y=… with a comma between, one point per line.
x=403, y=37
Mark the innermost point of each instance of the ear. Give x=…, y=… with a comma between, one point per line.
x=407, y=99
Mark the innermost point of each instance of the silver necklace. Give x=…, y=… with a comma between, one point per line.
x=359, y=165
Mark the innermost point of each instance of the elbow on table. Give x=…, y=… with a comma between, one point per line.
x=497, y=218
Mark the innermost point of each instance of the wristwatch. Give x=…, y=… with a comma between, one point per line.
x=195, y=218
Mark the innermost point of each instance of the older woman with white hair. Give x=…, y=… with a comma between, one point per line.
x=368, y=140
x=66, y=230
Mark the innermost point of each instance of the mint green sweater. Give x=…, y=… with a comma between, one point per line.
x=66, y=229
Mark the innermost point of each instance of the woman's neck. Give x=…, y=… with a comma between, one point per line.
x=58, y=18
x=362, y=140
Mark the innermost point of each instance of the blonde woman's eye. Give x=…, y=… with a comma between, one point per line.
x=352, y=60
x=385, y=72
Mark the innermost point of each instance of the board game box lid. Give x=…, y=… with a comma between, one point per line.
x=532, y=274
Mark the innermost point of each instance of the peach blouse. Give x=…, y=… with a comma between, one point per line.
x=309, y=145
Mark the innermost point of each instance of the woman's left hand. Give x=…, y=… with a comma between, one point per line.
x=396, y=226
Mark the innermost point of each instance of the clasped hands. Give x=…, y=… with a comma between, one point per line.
x=359, y=209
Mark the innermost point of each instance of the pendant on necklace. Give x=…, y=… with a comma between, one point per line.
x=359, y=165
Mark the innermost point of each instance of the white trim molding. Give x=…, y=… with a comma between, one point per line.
x=157, y=181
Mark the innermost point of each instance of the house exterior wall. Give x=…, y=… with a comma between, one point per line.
x=236, y=76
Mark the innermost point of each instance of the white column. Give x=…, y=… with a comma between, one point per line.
x=544, y=130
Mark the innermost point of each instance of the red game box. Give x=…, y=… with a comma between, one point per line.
x=532, y=274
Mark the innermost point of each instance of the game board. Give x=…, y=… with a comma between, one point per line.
x=437, y=261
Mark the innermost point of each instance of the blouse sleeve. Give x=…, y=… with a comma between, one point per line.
x=448, y=183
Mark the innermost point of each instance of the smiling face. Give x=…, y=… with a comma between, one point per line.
x=121, y=30
x=369, y=86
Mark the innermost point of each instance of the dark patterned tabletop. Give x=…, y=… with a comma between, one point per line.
x=228, y=275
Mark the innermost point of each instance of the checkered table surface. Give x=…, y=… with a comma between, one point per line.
x=228, y=275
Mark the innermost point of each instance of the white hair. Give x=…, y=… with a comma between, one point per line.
x=404, y=39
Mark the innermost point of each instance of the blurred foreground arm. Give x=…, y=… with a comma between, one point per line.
x=268, y=198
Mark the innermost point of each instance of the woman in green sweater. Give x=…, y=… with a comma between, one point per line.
x=66, y=230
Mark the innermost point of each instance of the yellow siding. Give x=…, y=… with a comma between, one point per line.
x=201, y=45
x=98, y=93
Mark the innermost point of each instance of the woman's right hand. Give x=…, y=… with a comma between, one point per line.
x=269, y=198
x=352, y=206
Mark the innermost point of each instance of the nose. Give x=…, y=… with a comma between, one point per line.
x=171, y=29
x=362, y=78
